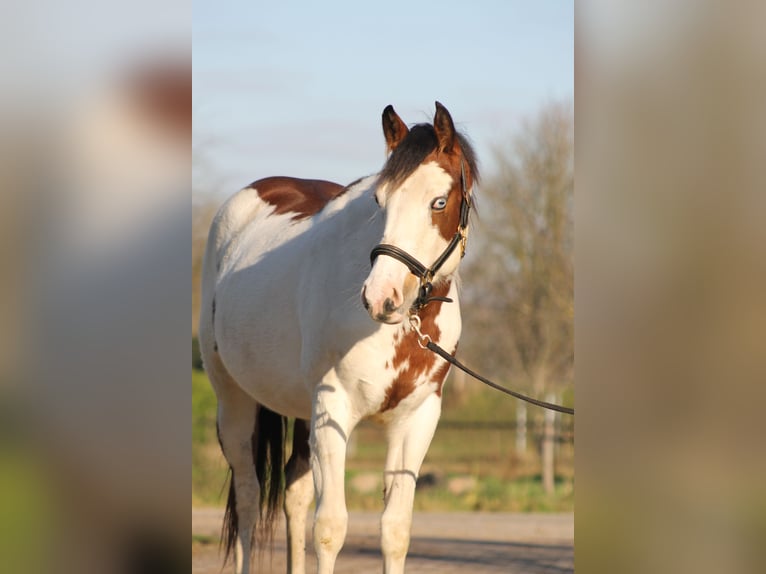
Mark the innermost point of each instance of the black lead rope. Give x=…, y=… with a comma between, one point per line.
x=450, y=359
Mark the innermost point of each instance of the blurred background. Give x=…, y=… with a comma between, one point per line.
x=95, y=173
x=276, y=93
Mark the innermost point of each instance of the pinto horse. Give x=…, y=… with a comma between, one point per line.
x=295, y=325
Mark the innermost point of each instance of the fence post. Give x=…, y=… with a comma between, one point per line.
x=557, y=430
x=521, y=427
x=548, y=442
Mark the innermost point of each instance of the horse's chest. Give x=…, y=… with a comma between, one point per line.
x=400, y=374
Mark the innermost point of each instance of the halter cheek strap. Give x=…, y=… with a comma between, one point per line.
x=426, y=274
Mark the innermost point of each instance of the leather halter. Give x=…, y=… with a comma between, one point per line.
x=426, y=274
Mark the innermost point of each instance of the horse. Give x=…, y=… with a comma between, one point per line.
x=295, y=325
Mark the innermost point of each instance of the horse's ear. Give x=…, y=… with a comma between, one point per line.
x=394, y=129
x=445, y=128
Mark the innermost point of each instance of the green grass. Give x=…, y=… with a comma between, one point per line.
x=204, y=540
x=490, y=494
x=493, y=494
x=203, y=408
x=505, y=480
x=26, y=511
x=524, y=495
x=209, y=468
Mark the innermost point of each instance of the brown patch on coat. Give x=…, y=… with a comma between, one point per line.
x=302, y=197
x=401, y=387
x=448, y=220
x=410, y=359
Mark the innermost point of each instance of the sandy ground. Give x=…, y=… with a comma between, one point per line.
x=441, y=542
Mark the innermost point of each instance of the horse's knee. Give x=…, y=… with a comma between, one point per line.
x=395, y=534
x=330, y=531
x=295, y=495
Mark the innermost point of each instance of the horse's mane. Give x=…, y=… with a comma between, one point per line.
x=417, y=144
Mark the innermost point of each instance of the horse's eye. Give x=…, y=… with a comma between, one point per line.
x=439, y=203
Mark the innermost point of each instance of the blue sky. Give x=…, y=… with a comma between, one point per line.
x=297, y=88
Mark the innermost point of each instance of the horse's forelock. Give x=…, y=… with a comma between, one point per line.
x=419, y=143
x=405, y=159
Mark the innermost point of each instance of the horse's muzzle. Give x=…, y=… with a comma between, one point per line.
x=388, y=311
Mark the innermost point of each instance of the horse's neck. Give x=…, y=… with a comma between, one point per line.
x=336, y=263
x=348, y=229
x=338, y=244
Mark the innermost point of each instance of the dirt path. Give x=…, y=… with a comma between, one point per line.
x=441, y=542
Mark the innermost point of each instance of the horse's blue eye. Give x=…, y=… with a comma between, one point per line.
x=439, y=203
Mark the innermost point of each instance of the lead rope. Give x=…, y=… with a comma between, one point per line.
x=426, y=343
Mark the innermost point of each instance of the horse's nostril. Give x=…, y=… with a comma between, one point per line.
x=397, y=297
x=364, y=300
x=389, y=306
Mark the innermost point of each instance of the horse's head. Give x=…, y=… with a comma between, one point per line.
x=424, y=190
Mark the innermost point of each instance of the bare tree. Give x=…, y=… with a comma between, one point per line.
x=206, y=197
x=519, y=294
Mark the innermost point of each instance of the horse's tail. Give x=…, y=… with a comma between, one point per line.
x=268, y=447
x=269, y=453
x=230, y=530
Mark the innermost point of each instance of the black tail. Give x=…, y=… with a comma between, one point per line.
x=269, y=456
x=230, y=520
x=230, y=527
x=268, y=446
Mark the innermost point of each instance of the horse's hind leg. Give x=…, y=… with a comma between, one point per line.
x=237, y=413
x=299, y=493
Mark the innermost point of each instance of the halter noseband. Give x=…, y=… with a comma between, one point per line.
x=426, y=274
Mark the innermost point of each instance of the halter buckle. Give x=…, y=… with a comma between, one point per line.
x=425, y=290
x=463, y=239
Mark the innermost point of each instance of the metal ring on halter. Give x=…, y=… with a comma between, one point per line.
x=423, y=340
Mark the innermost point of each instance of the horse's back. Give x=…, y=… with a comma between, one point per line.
x=292, y=197
x=247, y=266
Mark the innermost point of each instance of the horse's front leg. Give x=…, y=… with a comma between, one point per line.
x=408, y=442
x=331, y=424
